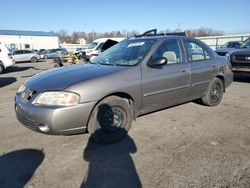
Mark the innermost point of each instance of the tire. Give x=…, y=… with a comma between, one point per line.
x=1, y=69
x=110, y=120
x=45, y=57
x=33, y=60
x=214, y=94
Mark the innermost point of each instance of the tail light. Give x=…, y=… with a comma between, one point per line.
x=10, y=55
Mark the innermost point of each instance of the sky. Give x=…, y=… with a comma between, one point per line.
x=229, y=16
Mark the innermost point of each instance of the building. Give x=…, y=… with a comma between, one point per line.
x=17, y=40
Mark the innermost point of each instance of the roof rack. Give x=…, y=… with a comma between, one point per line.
x=153, y=32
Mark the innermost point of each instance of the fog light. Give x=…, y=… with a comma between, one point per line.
x=43, y=128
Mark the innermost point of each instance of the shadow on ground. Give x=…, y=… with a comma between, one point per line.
x=17, y=167
x=18, y=69
x=242, y=77
x=110, y=165
x=5, y=81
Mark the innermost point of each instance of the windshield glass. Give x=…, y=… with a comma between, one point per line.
x=225, y=45
x=92, y=45
x=245, y=44
x=125, y=53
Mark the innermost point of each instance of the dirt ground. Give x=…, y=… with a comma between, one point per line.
x=189, y=145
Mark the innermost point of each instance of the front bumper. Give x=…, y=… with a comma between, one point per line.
x=53, y=120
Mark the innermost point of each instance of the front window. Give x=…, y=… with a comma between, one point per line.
x=170, y=49
x=125, y=53
x=245, y=44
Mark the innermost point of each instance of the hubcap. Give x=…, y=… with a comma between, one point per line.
x=215, y=92
x=113, y=118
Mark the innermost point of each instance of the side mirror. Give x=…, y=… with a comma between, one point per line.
x=157, y=62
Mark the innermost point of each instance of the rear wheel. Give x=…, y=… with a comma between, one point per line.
x=110, y=120
x=214, y=93
x=45, y=57
x=1, y=69
x=33, y=60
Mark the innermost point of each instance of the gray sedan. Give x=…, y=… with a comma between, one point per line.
x=134, y=77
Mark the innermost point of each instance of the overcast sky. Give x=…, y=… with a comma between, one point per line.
x=230, y=16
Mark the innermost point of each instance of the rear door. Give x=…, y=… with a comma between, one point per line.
x=18, y=55
x=203, y=64
x=167, y=84
x=26, y=55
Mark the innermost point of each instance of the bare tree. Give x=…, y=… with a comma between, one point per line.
x=91, y=36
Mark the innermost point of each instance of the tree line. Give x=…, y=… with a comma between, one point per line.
x=75, y=36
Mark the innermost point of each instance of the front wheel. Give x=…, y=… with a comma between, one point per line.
x=214, y=93
x=110, y=120
x=33, y=60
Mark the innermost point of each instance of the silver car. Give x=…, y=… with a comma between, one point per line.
x=134, y=77
x=25, y=55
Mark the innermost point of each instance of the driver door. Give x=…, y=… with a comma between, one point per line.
x=168, y=84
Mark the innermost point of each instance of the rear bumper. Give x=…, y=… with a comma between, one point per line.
x=228, y=77
x=9, y=63
x=61, y=121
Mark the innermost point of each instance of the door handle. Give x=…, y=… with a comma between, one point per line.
x=214, y=65
x=184, y=70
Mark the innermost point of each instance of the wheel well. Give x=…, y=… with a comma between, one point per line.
x=223, y=81
x=1, y=64
x=118, y=94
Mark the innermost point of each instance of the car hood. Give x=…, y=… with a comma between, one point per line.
x=244, y=51
x=60, y=78
x=228, y=50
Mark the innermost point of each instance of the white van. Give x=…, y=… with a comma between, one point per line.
x=5, y=58
x=95, y=48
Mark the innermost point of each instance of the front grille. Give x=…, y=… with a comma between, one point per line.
x=242, y=58
x=27, y=122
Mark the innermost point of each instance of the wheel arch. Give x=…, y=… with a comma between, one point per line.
x=221, y=77
x=118, y=94
x=125, y=96
x=2, y=65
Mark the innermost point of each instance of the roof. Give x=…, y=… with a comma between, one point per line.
x=27, y=33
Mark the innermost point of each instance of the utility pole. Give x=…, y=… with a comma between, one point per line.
x=179, y=26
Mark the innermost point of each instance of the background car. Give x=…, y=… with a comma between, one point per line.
x=228, y=47
x=52, y=53
x=25, y=55
x=5, y=58
x=95, y=47
x=240, y=58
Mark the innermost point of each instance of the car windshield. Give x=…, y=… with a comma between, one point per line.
x=125, y=53
x=92, y=45
x=245, y=44
x=225, y=45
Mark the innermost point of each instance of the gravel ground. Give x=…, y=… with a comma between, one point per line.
x=189, y=145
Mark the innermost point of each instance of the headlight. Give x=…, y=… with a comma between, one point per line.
x=228, y=56
x=21, y=88
x=57, y=98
